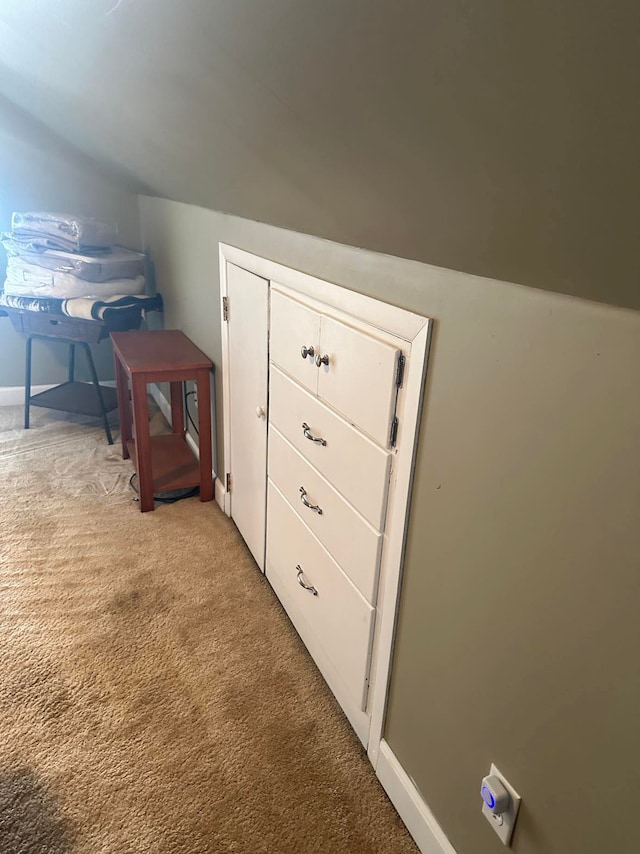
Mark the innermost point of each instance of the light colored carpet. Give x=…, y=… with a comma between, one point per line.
x=153, y=695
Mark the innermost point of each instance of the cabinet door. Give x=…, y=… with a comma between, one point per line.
x=248, y=365
x=359, y=379
x=294, y=326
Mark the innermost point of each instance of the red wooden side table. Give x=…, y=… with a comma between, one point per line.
x=163, y=463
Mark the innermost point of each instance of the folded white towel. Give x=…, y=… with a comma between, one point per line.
x=114, y=263
x=63, y=231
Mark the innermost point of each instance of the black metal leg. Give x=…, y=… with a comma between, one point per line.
x=72, y=361
x=27, y=383
x=94, y=378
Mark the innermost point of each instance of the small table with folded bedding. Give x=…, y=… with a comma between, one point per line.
x=82, y=398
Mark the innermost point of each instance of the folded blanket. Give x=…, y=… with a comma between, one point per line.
x=114, y=263
x=95, y=309
x=51, y=306
x=84, y=309
x=32, y=280
x=63, y=231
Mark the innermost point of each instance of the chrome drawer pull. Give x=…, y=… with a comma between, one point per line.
x=307, y=351
x=308, y=587
x=307, y=435
x=322, y=360
x=307, y=503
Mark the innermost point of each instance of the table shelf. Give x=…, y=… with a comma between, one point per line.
x=77, y=397
x=173, y=464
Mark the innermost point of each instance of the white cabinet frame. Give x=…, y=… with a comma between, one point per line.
x=414, y=332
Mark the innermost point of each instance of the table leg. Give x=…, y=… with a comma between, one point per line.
x=203, y=380
x=96, y=385
x=27, y=383
x=143, y=441
x=124, y=408
x=177, y=409
x=72, y=363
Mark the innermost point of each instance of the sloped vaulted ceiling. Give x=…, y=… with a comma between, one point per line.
x=497, y=137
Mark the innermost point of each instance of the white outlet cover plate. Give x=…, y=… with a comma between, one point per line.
x=504, y=829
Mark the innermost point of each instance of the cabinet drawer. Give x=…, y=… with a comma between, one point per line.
x=352, y=463
x=360, y=378
x=337, y=619
x=346, y=535
x=294, y=326
x=48, y=325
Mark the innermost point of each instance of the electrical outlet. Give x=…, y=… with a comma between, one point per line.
x=502, y=822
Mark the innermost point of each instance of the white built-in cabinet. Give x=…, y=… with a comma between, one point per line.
x=343, y=397
x=333, y=392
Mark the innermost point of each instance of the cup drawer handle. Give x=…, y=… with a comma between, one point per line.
x=303, y=583
x=303, y=497
x=307, y=434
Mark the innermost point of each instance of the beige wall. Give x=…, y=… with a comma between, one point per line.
x=39, y=172
x=518, y=632
x=495, y=137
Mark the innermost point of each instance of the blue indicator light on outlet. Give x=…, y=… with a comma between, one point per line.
x=487, y=797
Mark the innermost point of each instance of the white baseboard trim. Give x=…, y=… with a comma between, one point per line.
x=13, y=395
x=161, y=400
x=220, y=494
x=191, y=442
x=412, y=809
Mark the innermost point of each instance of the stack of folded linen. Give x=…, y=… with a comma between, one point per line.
x=59, y=256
